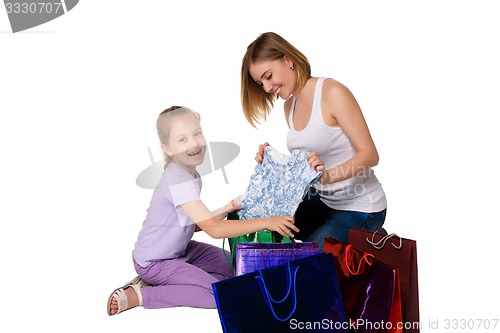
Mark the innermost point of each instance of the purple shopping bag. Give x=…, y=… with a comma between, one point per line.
x=253, y=256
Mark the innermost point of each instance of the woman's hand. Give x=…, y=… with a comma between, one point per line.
x=325, y=176
x=317, y=164
x=259, y=156
x=314, y=161
x=283, y=225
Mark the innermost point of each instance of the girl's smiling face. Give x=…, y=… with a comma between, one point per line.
x=186, y=143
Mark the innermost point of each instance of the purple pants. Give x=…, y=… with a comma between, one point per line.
x=185, y=281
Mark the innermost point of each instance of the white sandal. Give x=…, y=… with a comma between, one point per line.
x=121, y=296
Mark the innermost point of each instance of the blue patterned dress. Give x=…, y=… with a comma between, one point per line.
x=277, y=185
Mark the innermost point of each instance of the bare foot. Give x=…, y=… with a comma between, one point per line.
x=132, y=301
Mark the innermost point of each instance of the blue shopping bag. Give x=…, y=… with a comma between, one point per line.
x=303, y=294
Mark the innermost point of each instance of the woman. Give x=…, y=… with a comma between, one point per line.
x=325, y=120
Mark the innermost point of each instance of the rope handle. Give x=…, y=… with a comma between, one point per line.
x=366, y=258
x=381, y=243
x=291, y=282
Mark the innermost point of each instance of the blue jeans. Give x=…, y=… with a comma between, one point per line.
x=320, y=221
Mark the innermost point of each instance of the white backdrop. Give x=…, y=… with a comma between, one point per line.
x=79, y=98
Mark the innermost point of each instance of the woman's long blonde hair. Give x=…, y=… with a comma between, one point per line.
x=269, y=46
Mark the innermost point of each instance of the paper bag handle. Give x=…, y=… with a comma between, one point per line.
x=367, y=258
x=268, y=298
x=381, y=243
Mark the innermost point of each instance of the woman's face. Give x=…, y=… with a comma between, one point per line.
x=276, y=77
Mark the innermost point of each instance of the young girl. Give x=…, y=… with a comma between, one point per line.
x=325, y=119
x=173, y=269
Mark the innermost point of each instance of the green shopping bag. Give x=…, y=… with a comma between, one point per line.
x=263, y=236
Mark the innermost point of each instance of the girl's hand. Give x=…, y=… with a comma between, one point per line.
x=283, y=225
x=259, y=156
x=233, y=205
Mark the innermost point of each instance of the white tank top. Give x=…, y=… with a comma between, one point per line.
x=362, y=193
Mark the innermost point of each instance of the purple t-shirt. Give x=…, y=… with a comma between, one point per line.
x=167, y=229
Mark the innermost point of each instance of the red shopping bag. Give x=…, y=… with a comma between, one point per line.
x=400, y=253
x=369, y=287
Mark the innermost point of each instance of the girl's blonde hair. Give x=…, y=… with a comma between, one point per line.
x=269, y=46
x=163, y=125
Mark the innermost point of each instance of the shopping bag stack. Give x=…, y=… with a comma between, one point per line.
x=368, y=285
